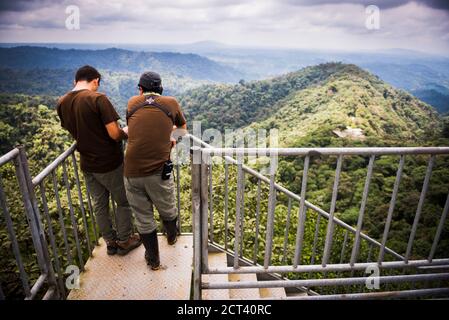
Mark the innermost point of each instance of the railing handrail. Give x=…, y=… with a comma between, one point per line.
x=202, y=168
x=53, y=165
x=211, y=150
x=9, y=156
x=331, y=151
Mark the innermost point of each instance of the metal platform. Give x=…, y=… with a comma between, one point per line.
x=129, y=278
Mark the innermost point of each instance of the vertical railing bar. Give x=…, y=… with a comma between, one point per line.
x=287, y=229
x=61, y=219
x=196, y=217
x=439, y=230
x=343, y=248
x=256, y=239
x=238, y=197
x=178, y=189
x=204, y=213
x=226, y=199
x=48, y=266
x=14, y=243
x=301, y=214
x=370, y=250
x=72, y=216
x=29, y=210
x=211, y=205
x=81, y=202
x=330, y=224
x=52, y=238
x=355, y=248
x=242, y=215
x=270, y=220
x=420, y=206
x=2, y=295
x=91, y=211
x=315, y=239
x=391, y=209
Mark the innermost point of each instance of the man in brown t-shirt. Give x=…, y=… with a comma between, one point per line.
x=149, y=146
x=92, y=121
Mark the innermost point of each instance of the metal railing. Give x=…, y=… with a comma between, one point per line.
x=46, y=272
x=62, y=226
x=205, y=232
x=67, y=233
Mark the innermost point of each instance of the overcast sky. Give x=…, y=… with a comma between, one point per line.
x=325, y=24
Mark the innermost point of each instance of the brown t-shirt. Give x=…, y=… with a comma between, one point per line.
x=149, y=131
x=84, y=114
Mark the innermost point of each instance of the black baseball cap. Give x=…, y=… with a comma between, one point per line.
x=150, y=79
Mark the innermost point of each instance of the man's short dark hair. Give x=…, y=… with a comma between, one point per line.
x=155, y=88
x=87, y=73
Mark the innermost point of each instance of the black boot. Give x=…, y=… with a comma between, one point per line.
x=172, y=231
x=151, y=245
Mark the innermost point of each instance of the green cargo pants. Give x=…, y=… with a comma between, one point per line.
x=143, y=192
x=101, y=186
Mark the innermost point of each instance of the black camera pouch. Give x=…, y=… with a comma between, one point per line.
x=167, y=170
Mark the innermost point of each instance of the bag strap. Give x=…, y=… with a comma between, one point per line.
x=150, y=101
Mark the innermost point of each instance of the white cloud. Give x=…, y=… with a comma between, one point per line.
x=325, y=24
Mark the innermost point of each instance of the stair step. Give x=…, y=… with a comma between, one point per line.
x=247, y=294
x=216, y=260
x=297, y=294
x=272, y=293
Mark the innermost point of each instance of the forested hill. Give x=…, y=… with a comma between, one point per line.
x=26, y=120
x=329, y=97
x=187, y=65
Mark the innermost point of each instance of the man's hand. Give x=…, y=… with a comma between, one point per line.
x=115, y=132
x=125, y=130
x=177, y=133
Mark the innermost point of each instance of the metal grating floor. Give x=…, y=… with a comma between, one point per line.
x=129, y=278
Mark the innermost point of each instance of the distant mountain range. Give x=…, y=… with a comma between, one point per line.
x=183, y=65
x=22, y=68
x=36, y=70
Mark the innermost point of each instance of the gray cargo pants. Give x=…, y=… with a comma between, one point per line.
x=102, y=185
x=143, y=192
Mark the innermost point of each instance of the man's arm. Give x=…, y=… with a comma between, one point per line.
x=115, y=132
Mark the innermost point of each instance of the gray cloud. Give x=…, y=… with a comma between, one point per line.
x=383, y=4
x=24, y=5
x=302, y=23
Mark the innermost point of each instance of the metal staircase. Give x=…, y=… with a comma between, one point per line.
x=217, y=254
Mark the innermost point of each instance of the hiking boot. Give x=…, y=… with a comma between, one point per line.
x=151, y=245
x=111, y=247
x=172, y=231
x=126, y=246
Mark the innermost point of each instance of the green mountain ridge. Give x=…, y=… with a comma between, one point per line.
x=235, y=106
x=324, y=98
x=355, y=103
